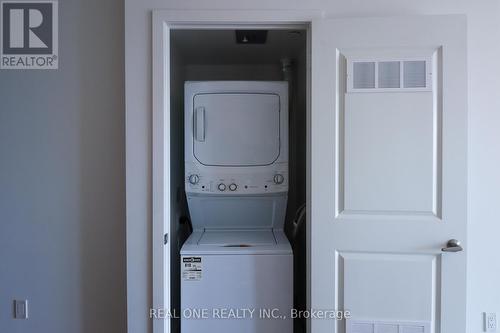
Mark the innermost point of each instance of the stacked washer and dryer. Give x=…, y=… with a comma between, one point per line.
x=237, y=265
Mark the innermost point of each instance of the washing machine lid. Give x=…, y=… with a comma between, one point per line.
x=236, y=129
x=237, y=238
x=281, y=246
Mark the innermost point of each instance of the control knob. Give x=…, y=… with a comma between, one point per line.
x=278, y=179
x=194, y=179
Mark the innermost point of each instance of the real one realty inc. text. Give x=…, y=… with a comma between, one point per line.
x=246, y=313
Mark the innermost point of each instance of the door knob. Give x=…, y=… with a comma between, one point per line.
x=453, y=245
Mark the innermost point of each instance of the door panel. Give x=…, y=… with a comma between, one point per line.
x=388, y=173
x=398, y=288
x=236, y=129
x=389, y=153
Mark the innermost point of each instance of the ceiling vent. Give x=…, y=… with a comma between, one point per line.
x=251, y=36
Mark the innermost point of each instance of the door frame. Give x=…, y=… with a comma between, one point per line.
x=162, y=22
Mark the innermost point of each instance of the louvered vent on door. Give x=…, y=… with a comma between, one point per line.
x=389, y=75
x=414, y=74
x=364, y=75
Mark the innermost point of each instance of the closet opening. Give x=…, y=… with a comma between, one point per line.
x=225, y=80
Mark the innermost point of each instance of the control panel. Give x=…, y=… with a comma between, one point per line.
x=237, y=184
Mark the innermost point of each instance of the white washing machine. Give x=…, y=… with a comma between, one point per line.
x=237, y=265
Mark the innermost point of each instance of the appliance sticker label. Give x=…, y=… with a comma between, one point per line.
x=191, y=268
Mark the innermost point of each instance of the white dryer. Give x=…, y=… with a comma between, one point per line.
x=237, y=265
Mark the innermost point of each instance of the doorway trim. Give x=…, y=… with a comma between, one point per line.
x=162, y=22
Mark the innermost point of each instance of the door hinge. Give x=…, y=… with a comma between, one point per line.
x=165, y=238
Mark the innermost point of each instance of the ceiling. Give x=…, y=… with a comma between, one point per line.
x=220, y=47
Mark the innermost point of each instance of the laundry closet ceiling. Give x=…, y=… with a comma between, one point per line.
x=220, y=47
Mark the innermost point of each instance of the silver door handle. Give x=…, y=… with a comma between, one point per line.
x=453, y=245
x=199, y=123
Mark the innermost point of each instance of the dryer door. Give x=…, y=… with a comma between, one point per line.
x=236, y=129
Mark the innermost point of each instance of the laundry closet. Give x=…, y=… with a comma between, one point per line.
x=238, y=131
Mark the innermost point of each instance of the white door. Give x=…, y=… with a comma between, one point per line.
x=388, y=173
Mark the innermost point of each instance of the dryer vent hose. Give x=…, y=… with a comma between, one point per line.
x=299, y=220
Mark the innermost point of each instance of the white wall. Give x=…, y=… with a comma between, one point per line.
x=62, y=180
x=484, y=158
